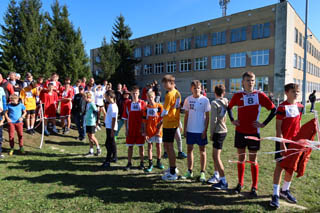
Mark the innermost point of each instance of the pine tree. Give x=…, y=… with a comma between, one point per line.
x=124, y=48
x=109, y=60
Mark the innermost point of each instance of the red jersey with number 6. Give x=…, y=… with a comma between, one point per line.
x=290, y=114
x=249, y=106
x=133, y=113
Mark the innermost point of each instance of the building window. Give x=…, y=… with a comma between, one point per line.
x=299, y=62
x=295, y=60
x=235, y=84
x=296, y=35
x=158, y=68
x=239, y=34
x=185, y=44
x=147, y=69
x=137, y=52
x=201, y=41
x=158, y=49
x=98, y=71
x=262, y=83
x=137, y=69
x=218, y=38
x=216, y=82
x=259, y=57
x=200, y=63
x=185, y=65
x=218, y=62
x=98, y=59
x=172, y=46
x=171, y=67
x=238, y=60
x=261, y=31
x=147, y=50
x=203, y=84
x=300, y=39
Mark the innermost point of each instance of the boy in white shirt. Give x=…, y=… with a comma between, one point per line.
x=196, y=120
x=111, y=117
x=98, y=97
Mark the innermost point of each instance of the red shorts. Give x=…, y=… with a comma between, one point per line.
x=135, y=140
x=50, y=113
x=65, y=110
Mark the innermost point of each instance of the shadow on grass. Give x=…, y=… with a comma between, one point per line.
x=67, y=143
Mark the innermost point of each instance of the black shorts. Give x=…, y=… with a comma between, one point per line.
x=241, y=142
x=218, y=139
x=91, y=129
x=31, y=112
x=168, y=134
x=278, y=148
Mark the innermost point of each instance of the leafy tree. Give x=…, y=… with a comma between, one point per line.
x=124, y=48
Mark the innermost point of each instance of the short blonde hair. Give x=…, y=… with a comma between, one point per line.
x=14, y=97
x=150, y=93
x=88, y=94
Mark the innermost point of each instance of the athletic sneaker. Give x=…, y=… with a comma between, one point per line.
x=188, y=175
x=128, y=167
x=98, y=127
x=1, y=155
x=288, y=196
x=89, y=154
x=253, y=192
x=202, y=177
x=237, y=190
x=160, y=166
x=46, y=132
x=11, y=152
x=275, y=201
x=81, y=139
x=168, y=171
x=165, y=155
x=33, y=132
x=149, y=169
x=55, y=131
x=22, y=150
x=169, y=177
x=182, y=155
x=114, y=160
x=222, y=185
x=214, y=179
x=141, y=166
x=29, y=131
x=66, y=131
x=105, y=165
x=98, y=152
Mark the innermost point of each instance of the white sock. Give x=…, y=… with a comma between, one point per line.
x=286, y=186
x=31, y=127
x=91, y=150
x=276, y=189
x=98, y=147
x=216, y=173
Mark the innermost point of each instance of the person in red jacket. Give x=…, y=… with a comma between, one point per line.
x=7, y=87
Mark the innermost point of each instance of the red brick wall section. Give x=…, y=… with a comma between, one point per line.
x=248, y=60
x=228, y=34
x=178, y=45
x=272, y=28
x=227, y=61
x=209, y=63
x=192, y=42
x=271, y=56
x=209, y=39
x=249, y=32
x=164, y=46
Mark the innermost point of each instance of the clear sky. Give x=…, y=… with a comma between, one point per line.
x=96, y=17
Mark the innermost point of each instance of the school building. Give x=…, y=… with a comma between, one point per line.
x=268, y=41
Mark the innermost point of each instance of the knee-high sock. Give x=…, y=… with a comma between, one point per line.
x=255, y=175
x=241, y=168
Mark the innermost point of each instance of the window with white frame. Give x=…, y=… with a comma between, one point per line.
x=238, y=60
x=185, y=44
x=259, y=57
x=158, y=68
x=239, y=34
x=218, y=38
x=200, y=63
x=172, y=46
x=201, y=41
x=147, y=69
x=137, y=69
x=185, y=65
x=296, y=35
x=203, y=84
x=171, y=66
x=216, y=82
x=262, y=84
x=295, y=60
x=235, y=84
x=137, y=52
x=158, y=49
x=300, y=39
x=218, y=62
x=147, y=50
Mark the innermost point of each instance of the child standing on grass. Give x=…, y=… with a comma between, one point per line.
x=98, y=96
x=289, y=115
x=15, y=114
x=111, y=125
x=91, y=120
x=218, y=130
x=196, y=121
x=28, y=97
x=3, y=108
x=153, y=133
x=132, y=115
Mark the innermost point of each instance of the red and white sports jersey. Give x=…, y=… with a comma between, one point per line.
x=290, y=114
x=49, y=100
x=56, y=85
x=66, y=94
x=249, y=106
x=133, y=113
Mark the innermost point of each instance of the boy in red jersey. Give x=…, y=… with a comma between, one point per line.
x=288, y=120
x=49, y=99
x=54, y=81
x=66, y=93
x=132, y=115
x=249, y=102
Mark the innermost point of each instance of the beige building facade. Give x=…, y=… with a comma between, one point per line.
x=266, y=41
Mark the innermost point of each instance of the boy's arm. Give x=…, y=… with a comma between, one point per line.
x=213, y=120
x=112, y=126
x=24, y=113
x=7, y=117
x=229, y=110
x=206, y=124
x=2, y=120
x=185, y=123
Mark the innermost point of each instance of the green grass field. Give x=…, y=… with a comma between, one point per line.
x=58, y=178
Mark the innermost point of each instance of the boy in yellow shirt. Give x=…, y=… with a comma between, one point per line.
x=171, y=121
x=28, y=96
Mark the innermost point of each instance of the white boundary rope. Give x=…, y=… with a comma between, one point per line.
x=42, y=120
